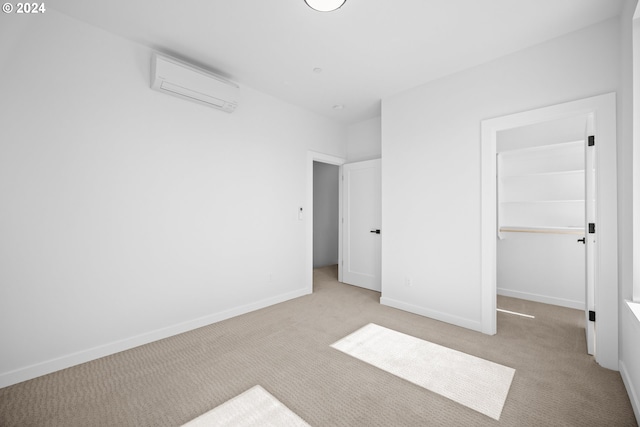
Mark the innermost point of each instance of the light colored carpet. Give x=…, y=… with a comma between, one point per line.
x=255, y=407
x=286, y=348
x=471, y=381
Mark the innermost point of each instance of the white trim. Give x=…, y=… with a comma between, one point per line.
x=314, y=156
x=631, y=332
x=631, y=391
x=488, y=226
x=604, y=109
x=66, y=361
x=578, y=305
x=635, y=309
x=635, y=184
x=433, y=314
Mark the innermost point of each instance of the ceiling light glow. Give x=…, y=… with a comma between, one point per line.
x=325, y=5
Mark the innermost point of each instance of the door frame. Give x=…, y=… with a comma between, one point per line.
x=603, y=107
x=314, y=156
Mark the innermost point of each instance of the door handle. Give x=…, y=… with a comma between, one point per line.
x=375, y=231
x=582, y=240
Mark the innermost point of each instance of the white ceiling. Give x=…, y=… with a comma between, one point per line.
x=367, y=50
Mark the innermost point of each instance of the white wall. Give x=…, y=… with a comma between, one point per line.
x=364, y=140
x=547, y=268
x=629, y=324
x=130, y=215
x=431, y=174
x=325, y=214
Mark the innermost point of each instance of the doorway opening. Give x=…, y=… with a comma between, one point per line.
x=326, y=218
x=541, y=204
x=603, y=110
x=541, y=212
x=322, y=160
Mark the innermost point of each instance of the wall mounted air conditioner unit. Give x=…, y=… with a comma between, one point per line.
x=174, y=77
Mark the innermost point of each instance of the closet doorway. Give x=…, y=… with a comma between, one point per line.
x=602, y=266
x=542, y=187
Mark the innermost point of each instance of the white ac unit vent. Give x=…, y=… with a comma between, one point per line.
x=174, y=77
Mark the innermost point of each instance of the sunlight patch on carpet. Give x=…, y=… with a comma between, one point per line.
x=471, y=381
x=254, y=407
x=516, y=313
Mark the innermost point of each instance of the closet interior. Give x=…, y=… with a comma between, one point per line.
x=541, y=186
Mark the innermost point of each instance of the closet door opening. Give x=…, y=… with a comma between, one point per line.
x=541, y=212
x=603, y=293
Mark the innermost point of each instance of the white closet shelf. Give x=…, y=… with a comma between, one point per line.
x=543, y=229
x=541, y=188
x=543, y=148
x=538, y=175
x=513, y=202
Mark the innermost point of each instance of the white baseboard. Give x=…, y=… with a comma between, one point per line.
x=433, y=314
x=631, y=391
x=49, y=366
x=579, y=305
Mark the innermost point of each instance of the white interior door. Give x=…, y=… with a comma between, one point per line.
x=590, y=235
x=361, y=224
